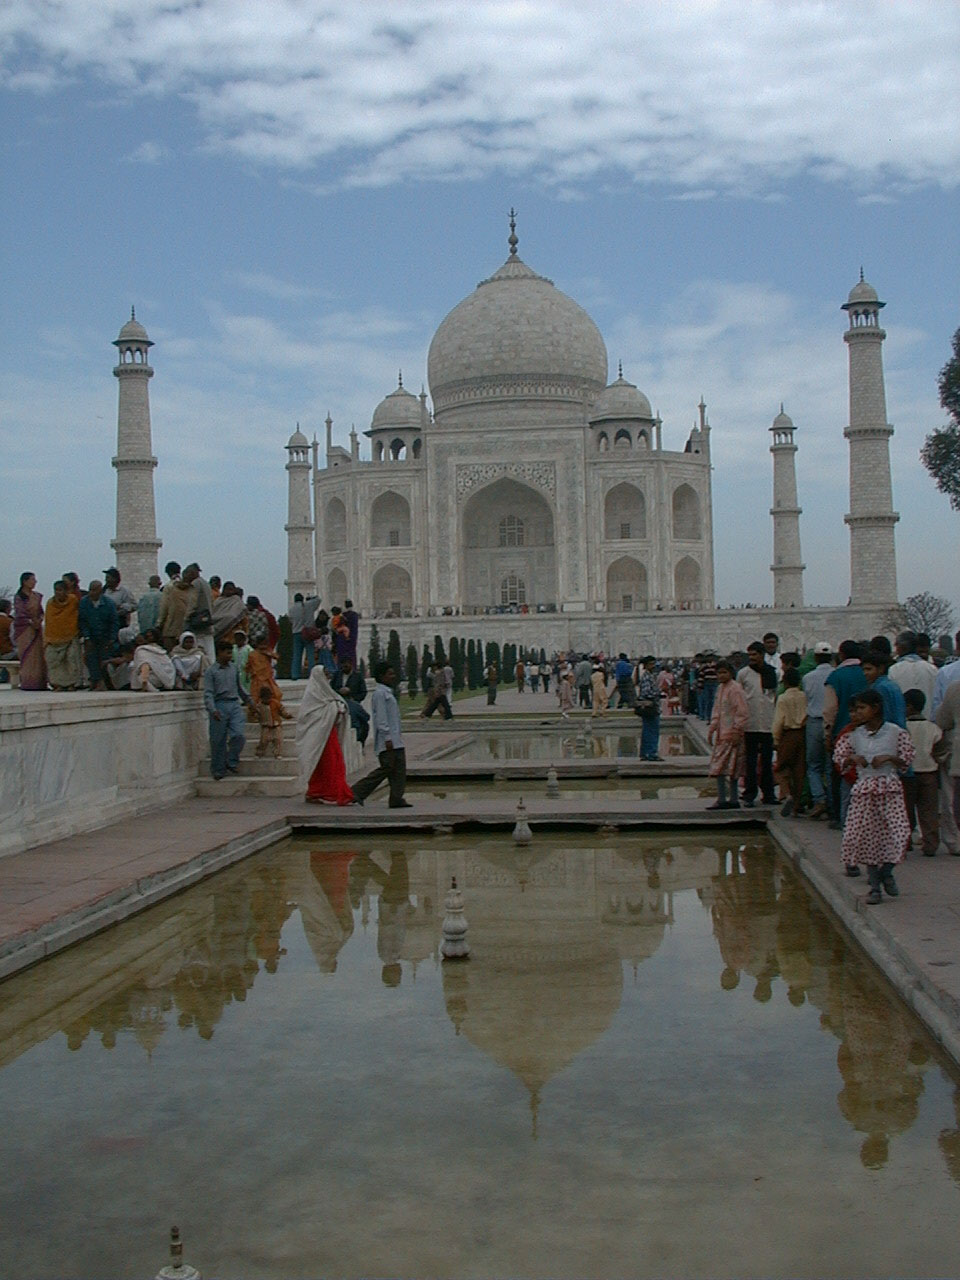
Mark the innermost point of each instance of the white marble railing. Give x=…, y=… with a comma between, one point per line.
x=74, y=762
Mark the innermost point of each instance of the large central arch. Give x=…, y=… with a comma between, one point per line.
x=507, y=529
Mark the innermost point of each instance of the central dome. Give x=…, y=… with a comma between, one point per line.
x=516, y=337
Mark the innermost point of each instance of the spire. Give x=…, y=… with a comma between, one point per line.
x=133, y=311
x=512, y=239
x=861, y=273
x=620, y=369
x=399, y=379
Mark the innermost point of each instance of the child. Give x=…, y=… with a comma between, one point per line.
x=223, y=696
x=921, y=787
x=876, y=830
x=789, y=735
x=271, y=725
x=728, y=724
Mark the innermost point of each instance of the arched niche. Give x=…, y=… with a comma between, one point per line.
x=623, y=439
x=687, y=525
x=522, y=518
x=603, y=442
x=626, y=585
x=417, y=447
x=378, y=451
x=390, y=521
x=398, y=449
x=513, y=590
x=392, y=591
x=334, y=526
x=624, y=513
x=336, y=588
x=687, y=583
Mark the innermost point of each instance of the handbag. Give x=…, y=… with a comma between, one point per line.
x=310, y=634
x=647, y=708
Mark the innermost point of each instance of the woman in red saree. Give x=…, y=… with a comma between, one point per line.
x=28, y=633
x=321, y=720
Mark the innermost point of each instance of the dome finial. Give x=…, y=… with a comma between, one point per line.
x=861, y=273
x=619, y=368
x=133, y=311
x=512, y=239
x=781, y=406
x=399, y=379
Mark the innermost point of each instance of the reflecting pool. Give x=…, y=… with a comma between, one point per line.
x=661, y=1059
x=548, y=744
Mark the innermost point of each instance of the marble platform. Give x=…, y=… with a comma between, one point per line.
x=75, y=762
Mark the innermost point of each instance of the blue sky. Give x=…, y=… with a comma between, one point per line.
x=294, y=194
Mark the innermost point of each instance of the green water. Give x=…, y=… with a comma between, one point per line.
x=661, y=1059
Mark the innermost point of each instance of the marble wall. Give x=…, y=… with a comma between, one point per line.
x=72, y=763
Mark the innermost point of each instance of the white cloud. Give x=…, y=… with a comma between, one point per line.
x=700, y=97
x=148, y=152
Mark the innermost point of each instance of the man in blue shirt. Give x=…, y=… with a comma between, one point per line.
x=387, y=741
x=223, y=697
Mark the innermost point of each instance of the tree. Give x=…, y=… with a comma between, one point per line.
x=439, y=652
x=412, y=671
x=394, y=655
x=493, y=657
x=924, y=612
x=471, y=664
x=941, y=449
x=457, y=657
x=508, y=672
x=374, y=653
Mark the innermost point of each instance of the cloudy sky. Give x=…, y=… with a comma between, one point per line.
x=295, y=192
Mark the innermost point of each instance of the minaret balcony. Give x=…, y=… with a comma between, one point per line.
x=131, y=463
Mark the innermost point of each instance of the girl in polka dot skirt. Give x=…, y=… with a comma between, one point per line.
x=876, y=830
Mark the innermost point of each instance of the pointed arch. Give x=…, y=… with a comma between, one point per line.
x=507, y=528
x=623, y=439
x=392, y=591
x=390, y=520
x=334, y=526
x=687, y=522
x=624, y=513
x=336, y=588
x=626, y=586
x=687, y=583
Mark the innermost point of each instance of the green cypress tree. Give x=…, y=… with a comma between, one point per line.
x=374, y=653
x=439, y=653
x=458, y=663
x=493, y=657
x=471, y=664
x=412, y=671
x=454, y=658
x=284, y=647
x=394, y=653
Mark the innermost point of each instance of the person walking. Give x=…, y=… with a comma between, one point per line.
x=520, y=673
x=148, y=606
x=623, y=675
x=598, y=682
x=921, y=786
x=842, y=684
x=322, y=721
x=492, y=677
x=387, y=741
x=545, y=676
x=582, y=678
x=223, y=698
x=910, y=671
x=876, y=832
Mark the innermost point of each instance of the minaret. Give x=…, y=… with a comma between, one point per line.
x=301, y=574
x=873, y=555
x=136, y=544
x=787, y=564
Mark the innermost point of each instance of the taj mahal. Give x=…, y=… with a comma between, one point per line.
x=529, y=483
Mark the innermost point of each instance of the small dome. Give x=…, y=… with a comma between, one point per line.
x=782, y=422
x=862, y=292
x=398, y=409
x=621, y=400
x=298, y=440
x=133, y=331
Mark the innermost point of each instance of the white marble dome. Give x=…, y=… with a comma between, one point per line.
x=515, y=335
x=621, y=400
x=398, y=409
x=862, y=291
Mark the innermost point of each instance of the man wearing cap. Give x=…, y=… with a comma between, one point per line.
x=200, y=609
x=148, y=606
x=818, y=775
x=121, y=597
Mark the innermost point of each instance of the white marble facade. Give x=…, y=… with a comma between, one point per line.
x=532, y=481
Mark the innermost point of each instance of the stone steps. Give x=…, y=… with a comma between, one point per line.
x=251, y=767
x=248, y=785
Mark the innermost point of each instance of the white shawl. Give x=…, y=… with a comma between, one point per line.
x=155, y=657
x=321, y=711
